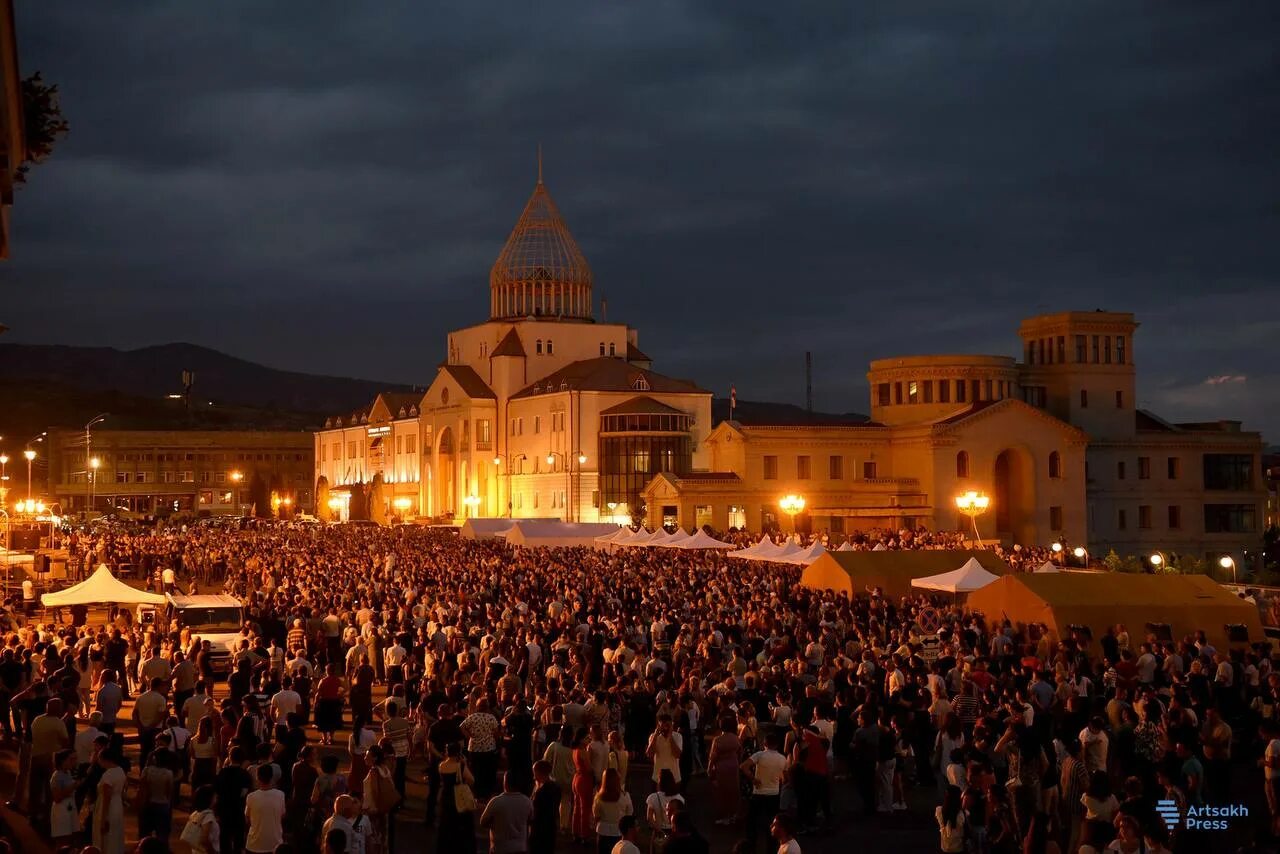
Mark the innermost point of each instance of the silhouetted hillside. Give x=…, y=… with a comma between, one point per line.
x=153, y=372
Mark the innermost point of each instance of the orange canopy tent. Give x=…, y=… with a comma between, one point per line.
x=1164, y=605
x=892, y=570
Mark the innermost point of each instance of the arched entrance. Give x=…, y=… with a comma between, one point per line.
x=444, y=473
x=1015, y=498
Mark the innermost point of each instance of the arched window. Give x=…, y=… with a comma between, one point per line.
x=601, y=348
x=962, y=464
x=1055, y=465
x=538, y=347
x=550, y=347
x=611, y=350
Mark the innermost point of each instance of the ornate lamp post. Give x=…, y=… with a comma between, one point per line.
x=791, y=505
x=973, y=504
x=1228, y=562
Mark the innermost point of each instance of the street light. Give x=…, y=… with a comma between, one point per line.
x=1082, y=554
x=472, y=502
x=1158, y=561
x=31, y=456
x=791, y=505
x=973, y=504
x=93, y=480
x=1228, y=562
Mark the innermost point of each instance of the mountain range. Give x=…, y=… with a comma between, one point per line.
x=44, y=386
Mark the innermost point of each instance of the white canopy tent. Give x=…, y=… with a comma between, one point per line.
x=98, y=588
x=632, y=538
x=1047, y=566
x=968, y=578
x=790, y=549
x=809, y=555
x=552, y=534
x=616, y=536
x=762, y=550
x=702, y=540
x=846, y=546
x=488, y=529
x=674, y=539
x=880, y=547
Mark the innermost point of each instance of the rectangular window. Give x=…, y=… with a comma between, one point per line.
x=882, y=394
x=1119, y=349
x=1228, y=471
x=802, y=468
x=944, y=391
x=1122, y=520
x=1084, y=399
x=1144, y=468
x=1081, y=353
x=1097, y=348
x=1175, y=517
x=1120, y=470
x=1062, y=348
x=1106, y=349
x=1119, y=400
x=837, y=525
x=167, y=476
x=1031, y=352
x=869, y=470
x=1040, y=347
x=1229, y=519
x=399, y=445
x=483, y=431
x=1144, y=516
x=928, y=391
x=122, y=477
x=206, y=477
x=702, y=515
x=206, y=497
x=411, y=443
x=141, y=477
x=913, y=392
x=975, y=390
x=897, y=393
x=1055, y=518
x=351, y=450
x=1173, y=468
x=770, y=467
x=187, y=477
x=990, y=394
x=737, y=516
x=835, y=468
x=960, y=388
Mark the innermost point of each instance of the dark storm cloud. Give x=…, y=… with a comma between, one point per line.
x=749, y=180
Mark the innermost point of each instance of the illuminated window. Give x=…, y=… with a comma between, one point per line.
x=802, y=468
x=770, y=467
x=913, y=392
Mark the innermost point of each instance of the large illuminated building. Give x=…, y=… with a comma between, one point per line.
x=541, y=411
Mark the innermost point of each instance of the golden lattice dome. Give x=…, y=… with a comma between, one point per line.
x=540, y=271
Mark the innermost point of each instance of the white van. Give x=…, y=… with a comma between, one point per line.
x=217, y=618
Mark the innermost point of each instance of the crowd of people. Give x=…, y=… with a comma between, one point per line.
x=565, y=699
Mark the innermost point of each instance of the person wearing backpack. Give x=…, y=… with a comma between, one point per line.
x=202, y=832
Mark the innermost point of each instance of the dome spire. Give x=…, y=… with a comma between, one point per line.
x=540, y=271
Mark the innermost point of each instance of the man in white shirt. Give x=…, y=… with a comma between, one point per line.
x=765, y=769
x=784, y=833
x=85, y=738
x=630, y=833
x=264, y=811
x=1095, y=742
x=285, y=701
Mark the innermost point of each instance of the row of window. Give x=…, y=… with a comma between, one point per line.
x=558, y=423
x=940, y=391
x=559, y=500
x=1218, y=518
x=405, y=444
x=1105, y=350
x=656, y=423
x=804, y=468
x=1232, y=472
x=199, y=458
x=1084, y=399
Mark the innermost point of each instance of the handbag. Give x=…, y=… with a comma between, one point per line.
x=464, y=800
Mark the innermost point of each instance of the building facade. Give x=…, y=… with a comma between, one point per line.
x=206, y=472
x=540, y=412
x=1055, y=441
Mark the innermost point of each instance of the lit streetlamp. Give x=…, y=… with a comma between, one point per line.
x=1228, y=562
x=4, y=479
x=472, y=502
x=94, y=463
x=1159, y=562
x=791, y=505
x=1058, y=552
x=31, y=457
x=973, y=504
x=1082, y=554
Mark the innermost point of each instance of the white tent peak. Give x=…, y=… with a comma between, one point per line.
x=972, y=576
x=101, y=587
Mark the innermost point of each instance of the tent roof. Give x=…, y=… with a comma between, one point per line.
x=552, y=533
x=892, y=570
x=101, y=587
x=486, y=529
x=1047, y=566
x=1186, y=603
x=702, y=540
x=966, y=579
x=622, y=533
x=675, y=539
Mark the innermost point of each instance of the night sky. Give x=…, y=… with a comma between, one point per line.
x=324, y=186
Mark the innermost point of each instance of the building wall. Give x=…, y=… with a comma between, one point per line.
x=201, y=470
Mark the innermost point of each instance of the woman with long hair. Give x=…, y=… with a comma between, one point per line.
x=583, y=788
x=722, y=767
x=951, y=822
x=203, y=749
x=608, y=808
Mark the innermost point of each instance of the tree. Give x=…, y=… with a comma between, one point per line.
x=358, y=506
x=378, y=500
x=323, y=513
x=42, y=120
x=260, y=495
